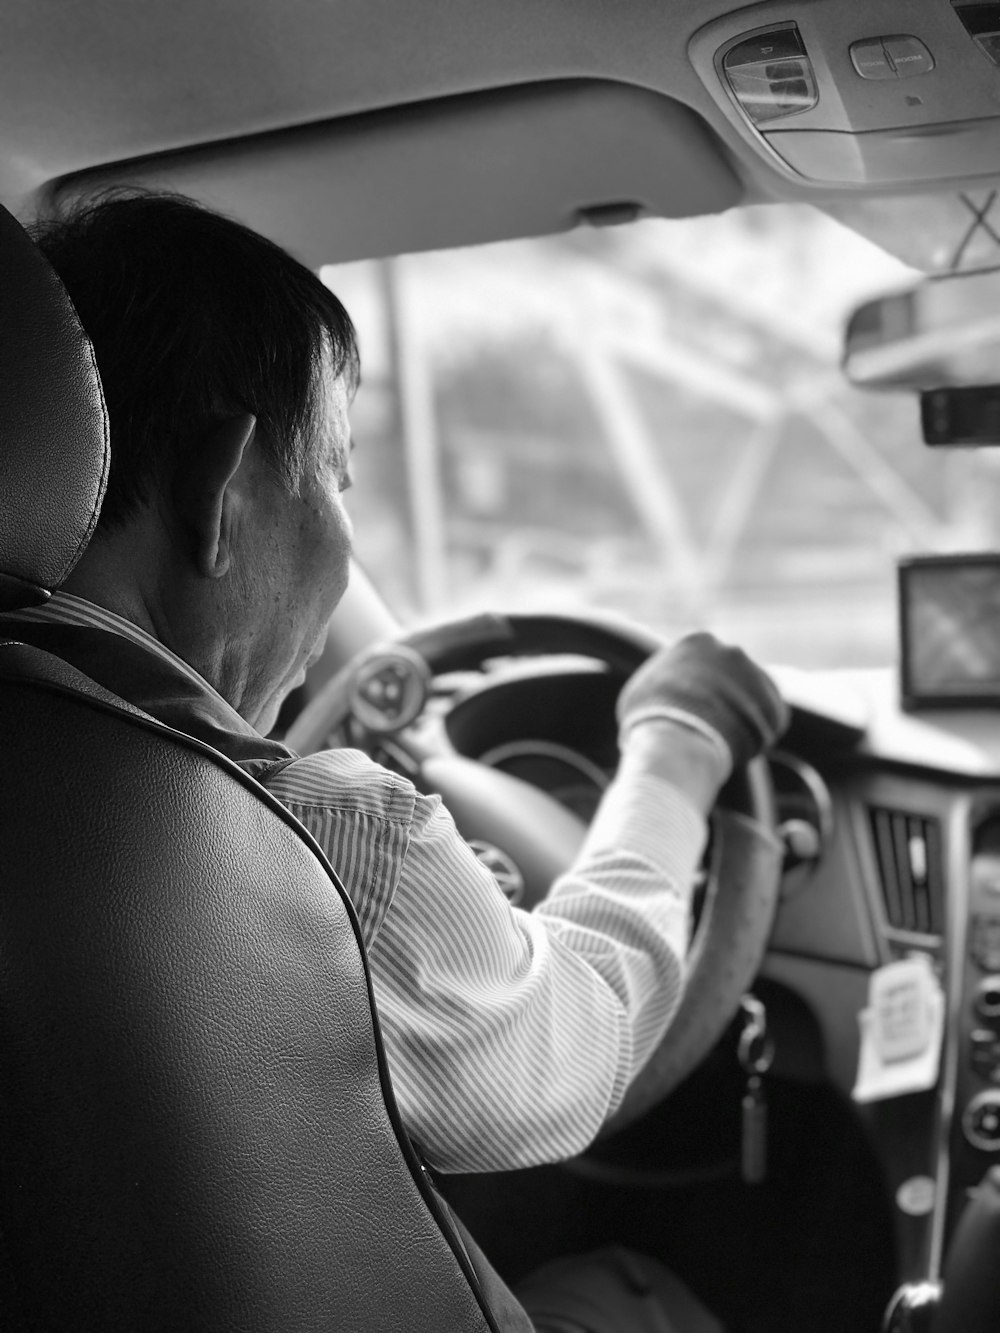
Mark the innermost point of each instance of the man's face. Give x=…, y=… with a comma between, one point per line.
x=301, y=547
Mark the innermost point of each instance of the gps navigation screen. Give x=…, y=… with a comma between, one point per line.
x=950, y=630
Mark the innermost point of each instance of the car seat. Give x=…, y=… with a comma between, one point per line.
x=197, y=1127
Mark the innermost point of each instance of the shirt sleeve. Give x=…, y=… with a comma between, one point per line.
x=512, y=1035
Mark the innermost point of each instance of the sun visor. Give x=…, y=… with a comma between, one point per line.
x=526, y=161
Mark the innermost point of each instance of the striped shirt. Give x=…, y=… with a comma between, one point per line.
x=510, y=1035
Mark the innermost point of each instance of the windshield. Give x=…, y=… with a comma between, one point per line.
x=649, y=420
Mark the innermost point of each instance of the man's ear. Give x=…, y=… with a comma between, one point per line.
x=208, y=495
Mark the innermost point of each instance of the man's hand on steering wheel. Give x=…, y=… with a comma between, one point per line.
x=694, y=713
x=711, y=690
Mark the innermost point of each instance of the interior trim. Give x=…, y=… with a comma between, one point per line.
x=463, y=170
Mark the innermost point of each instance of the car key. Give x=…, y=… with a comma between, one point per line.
x=755, y=1054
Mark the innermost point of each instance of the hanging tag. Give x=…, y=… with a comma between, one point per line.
x=753, y=1154
x=755, y=1052
x=901, y=1031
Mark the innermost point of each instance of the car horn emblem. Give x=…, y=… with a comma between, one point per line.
x=502, y=868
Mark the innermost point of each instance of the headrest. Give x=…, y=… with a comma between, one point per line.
x=54, y=449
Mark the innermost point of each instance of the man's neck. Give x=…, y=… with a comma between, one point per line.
x=136, y=573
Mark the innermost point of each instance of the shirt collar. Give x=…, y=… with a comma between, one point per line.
x=65, y=608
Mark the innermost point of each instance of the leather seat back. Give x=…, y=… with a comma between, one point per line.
x=197, y=1130
x=197, y=1127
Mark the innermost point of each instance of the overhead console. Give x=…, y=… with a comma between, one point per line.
x=879, y=92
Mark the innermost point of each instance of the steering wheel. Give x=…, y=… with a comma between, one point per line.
x=385, y=689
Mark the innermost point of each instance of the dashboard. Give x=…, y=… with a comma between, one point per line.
x=891, y=826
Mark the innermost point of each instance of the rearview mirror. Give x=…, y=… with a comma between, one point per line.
x=943, y=333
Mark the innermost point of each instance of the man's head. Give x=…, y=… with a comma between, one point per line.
x=227, y=369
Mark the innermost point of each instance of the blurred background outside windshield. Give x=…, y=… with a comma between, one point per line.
x=649, y=420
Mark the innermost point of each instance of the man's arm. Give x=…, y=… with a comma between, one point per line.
x=512, y=1036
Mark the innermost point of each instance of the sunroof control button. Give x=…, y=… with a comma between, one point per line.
x=770, y=75
x=779, y=44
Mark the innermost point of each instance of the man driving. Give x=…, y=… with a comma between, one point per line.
x=222, y=550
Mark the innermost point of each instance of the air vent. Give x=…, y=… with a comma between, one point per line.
x=911, y=872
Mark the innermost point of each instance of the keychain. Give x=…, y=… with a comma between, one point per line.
x=755, y=1054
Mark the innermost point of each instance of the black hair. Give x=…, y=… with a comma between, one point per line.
x=193, y=317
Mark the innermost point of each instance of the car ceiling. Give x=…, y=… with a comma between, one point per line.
x=350, y=128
